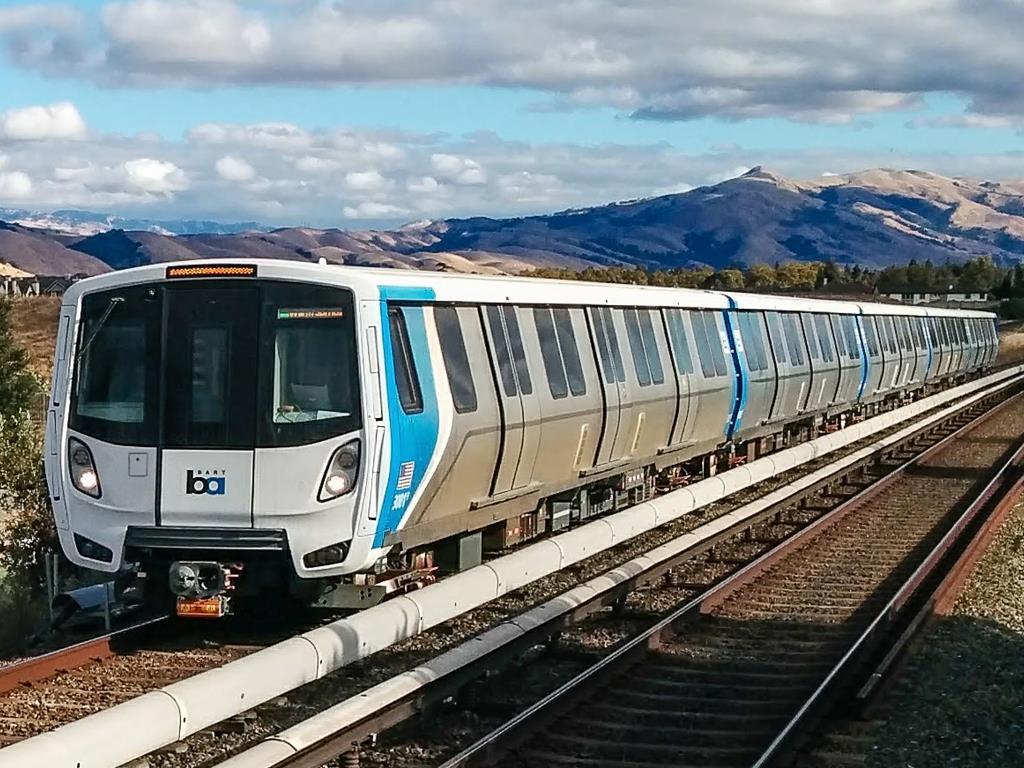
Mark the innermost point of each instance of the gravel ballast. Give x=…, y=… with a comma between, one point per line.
x=960, y=699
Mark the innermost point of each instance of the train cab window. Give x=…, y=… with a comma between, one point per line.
x=408, y=383
x=889, y=335
x=570, y=351
x=776, y=336
x=550, y=353
x=871, y=335
x=680, y=346
x=116, y=393
x=607, y=345
x=932, y=334
x=716, y=341
x=650, y=340
x=456, y=359
x=636, y=346
x=828, y=353
x=794, y=338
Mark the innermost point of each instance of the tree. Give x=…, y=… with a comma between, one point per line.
x=19, y=390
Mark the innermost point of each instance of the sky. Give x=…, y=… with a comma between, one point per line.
x=360, y=113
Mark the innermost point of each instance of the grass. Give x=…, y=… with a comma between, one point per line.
x=34, y=323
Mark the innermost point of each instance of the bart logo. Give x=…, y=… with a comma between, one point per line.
x=198, y=482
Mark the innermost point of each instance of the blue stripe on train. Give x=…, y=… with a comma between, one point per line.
x=740, y=375
x=413, y=436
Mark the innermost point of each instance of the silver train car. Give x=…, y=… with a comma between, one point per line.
x=230, y=430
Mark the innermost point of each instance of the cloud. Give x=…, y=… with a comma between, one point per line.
x=15, y=185
x=56, y=121
x=231, y=168
x=364, y=181
x=826, y=60
x=461, y=170
x=157, y=176
x=339, y=177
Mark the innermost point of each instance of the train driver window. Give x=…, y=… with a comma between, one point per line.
x=456, y=360
x=405, y=366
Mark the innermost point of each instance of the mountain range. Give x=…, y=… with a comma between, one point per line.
x=875, y=218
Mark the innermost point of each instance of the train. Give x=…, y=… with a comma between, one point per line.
x=223, y=432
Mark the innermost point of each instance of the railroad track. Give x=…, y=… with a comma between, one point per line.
x=738, y=675
x=75, y=693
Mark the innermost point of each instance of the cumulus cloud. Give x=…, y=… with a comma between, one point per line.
x=828, y=60
x=55, y=121
x=462, y=170
x=231, y=168
x=15, y=186
x=157, y=176
x=364, y=181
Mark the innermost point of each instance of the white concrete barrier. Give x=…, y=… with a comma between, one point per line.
x=122, y=733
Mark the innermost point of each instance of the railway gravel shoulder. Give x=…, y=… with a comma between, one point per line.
x=959, y=697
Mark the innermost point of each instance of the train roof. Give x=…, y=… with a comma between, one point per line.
x=458, y=287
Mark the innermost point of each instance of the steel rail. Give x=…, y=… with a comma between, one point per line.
x=36, y=668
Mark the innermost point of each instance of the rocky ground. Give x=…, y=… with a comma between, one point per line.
x=960, y=698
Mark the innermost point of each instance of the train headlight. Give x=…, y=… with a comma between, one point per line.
x=342, y=472
x=83, y=469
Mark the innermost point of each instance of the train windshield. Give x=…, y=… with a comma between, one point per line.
x=217, y=364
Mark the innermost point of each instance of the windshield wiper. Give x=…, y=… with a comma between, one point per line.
x=99, y=324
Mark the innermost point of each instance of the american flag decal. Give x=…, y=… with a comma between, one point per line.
x=405, y=475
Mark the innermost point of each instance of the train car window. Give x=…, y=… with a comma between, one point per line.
x=700, y=335
x=515, y=341
x=680, y=346
x=602, y=345
x=871, y=335
x=747, y=336
x=837, y=324
x=613, y=345
x=408, y=383
x=825, y=338
x=852, y=342
x=793, y=335
x=757, y=328
x=902, y=333
x=570, y=352
x=776, y=337
x=636, y=346
x=501, y=351
x=889, y=335
x=456, y=359
x=931, y=332
x=650, y=340
x=551, y=354
x=711, y=322
x=916, y=326
x=812, y=336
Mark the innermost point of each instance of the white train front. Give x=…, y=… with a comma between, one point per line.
x=245, y=429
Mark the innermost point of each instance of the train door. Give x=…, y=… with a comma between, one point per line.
x=209, y=408
x=682, y=362
x=613, y=381
x=515, y=390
